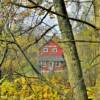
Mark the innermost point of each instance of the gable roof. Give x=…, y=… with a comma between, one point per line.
x=48, y=42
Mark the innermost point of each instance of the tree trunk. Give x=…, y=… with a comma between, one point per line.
x=97, y=23
x=70, y=52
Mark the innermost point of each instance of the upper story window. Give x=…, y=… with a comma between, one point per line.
x=45, y=49
x=54, y=49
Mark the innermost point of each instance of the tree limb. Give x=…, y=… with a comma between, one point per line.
x=4, y=56
x=53, y=12
x=87, y=41
x=36, y=41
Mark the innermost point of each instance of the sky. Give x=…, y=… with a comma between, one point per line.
x=71, y=8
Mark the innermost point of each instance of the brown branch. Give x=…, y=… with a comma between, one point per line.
x=95, y=58
x=3, y=59
x=80, y=41
x=95, y=65
x=20, y=74
x=87, y=41
x=40, y=76
x=36, y=41
x=4, y=55
x=80, y=1
x=24, y=6
x=8, y=41
x=41, y=21
x=70, y=18
x=38, y=73
x=25, y=77
x=82, y=21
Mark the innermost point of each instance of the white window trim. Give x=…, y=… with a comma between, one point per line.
x=54, y=49
x=45, y=49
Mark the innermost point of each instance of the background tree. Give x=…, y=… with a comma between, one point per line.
x=70, y=53
x=97, y=32
x=25, y=25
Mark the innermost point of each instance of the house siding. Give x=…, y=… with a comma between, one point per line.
x=50, y=55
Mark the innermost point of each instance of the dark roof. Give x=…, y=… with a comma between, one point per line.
x=51, y=58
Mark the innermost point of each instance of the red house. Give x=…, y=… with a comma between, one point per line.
x=51, y=57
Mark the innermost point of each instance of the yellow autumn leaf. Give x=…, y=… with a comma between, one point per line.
x=6, y=2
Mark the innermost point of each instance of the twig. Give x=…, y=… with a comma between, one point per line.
x=70, y=18
x=3, y=59
x=36, y=41
x=80, y=41
x=4, y=56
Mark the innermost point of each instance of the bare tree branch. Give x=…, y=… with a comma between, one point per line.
x=3, y=59
x=70, y=18
x=36, y=41
x=8, y=41
x=4, y=56
x=95, y=58
x=87, y=41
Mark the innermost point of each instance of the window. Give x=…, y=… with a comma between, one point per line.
x=54, y=49
x=51, y=66
x=56, y=63
x=40, y=63
x=45, y=49
x=44, y=63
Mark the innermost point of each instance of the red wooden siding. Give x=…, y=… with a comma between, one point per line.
x=51, y=57
x=50, y=46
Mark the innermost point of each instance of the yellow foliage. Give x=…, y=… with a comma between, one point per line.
x=22, y=40
x=1, y=21
x=31, y=89
x=7, y=63
x=90, y=92
x=24, y=14
x=6, y=2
